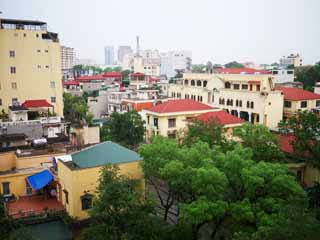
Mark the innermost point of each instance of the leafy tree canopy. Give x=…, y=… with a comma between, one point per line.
x=234, y=64
x=308, y=75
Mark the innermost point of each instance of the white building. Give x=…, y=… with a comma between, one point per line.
x=317, y=88
x=251, y=97
x=174, y=61
x=67, y=61
x=282, y=75
x=108, y=55
x=292, y=59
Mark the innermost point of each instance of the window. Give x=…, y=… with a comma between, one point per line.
x=244, y=86
x=318, y=103
x=287, y=104
x=155, y=122
x=46, y=51
x=171, y=122
x=37, y=35
x=248, y=104
x=38, y=50
x=199, y=83
x=172, y=135
x=47, y=66
x=12, y=53
x=240, y=103
x=236, y=86
x=39, y=66
x=14, y=85
x=5, y=188
x=14, y=100
x=252, y=104
x=66, y=196
x=186, y=82
x=24, y=35
x=86, y=201
x=258, y=87
x=205, y=83
x=12, y=69
x=303, y=104
x=193, y=83
x=0, y=102
x=53, y=99
x=227, y=85
x=148, y=119
x=52, y=84
x=250, y=87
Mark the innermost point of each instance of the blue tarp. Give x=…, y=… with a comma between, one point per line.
x=39, y=180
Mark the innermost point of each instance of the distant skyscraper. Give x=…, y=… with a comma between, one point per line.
x=109, y=55
x=122, y=51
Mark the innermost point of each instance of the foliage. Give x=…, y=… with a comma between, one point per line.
x=305, y=126
x=4, y=115
x=198, y=68
x=124, y=128
x=261, y=141
x=227, y=195
x=209, y=65
x=125, y=74
x=75, y=108
x=119, y=211
x=233, y=64
x=308, y=75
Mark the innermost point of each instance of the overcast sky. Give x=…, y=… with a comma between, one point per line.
x=217, y=30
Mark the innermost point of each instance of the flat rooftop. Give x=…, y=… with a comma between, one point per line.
x=22, y=22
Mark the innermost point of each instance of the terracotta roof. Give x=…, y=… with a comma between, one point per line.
x=112, y=75
x=285, y=142
x=296, y=94
x=241, y=71
x=89, y=78
x=71, y=82
x=36, y=103
x=180, y=105
x=222, y=117
x=137, y=74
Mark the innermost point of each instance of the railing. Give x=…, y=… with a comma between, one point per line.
x=41, y=120
x=50, y=120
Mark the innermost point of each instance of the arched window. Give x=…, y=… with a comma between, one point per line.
x=231, y=102
x=248, y=104
x=200, y=98
x=222, y=101
x=227, y=85
x=240, y=103
x=193, y=83
x=252, y=105
x=199, y=83
x=186, y=82
x=205, y=83
x=237, y=103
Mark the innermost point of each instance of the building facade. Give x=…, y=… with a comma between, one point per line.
x=67, y=61
x=174, y=61
x=243, y=93
x=292, y=59
x=30, y=66
x=108, y=55
x=281, y=76
x=122, y=51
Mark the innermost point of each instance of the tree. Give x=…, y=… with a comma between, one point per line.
x=119, y=211
x=75, y=108
x=305, y=128
x=198, y=68
x=233, y=64
x=125, y=74
x=124, y=128
x=308, y=75
x=209, y=65
x=261, y=141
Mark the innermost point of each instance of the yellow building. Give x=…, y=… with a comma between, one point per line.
x=79, y=172
x=30, y=66
x=168, y=118
x=244, y=92
x=296, y=99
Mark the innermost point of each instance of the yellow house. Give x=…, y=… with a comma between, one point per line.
x=79, y=172
x=167, y=118
x=30, y=66
x=296, y=99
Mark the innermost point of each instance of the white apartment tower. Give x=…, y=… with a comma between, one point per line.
x=109, y=55
x=67, y=61
x=174, y=61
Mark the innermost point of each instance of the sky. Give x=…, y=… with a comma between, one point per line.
x=260, y=31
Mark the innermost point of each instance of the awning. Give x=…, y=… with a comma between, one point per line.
x=36, y=103
x=40, y=179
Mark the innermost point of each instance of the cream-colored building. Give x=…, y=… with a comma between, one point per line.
x=250, y=96
x=30, y=66
x=296, y=99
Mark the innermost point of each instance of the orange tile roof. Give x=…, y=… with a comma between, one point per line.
x=222, y=117
x=296, y=94
x=180, y=105
x=36, y=103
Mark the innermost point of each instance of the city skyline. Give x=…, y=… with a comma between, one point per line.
x=212, y=30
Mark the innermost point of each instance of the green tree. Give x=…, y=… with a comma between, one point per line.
x=198, y=68
x=305, y=127
x=124, y=128
x=308, y=75
x=261, y=141
x=75, y=108
x=119, y=211
x=234, y=64
x=125, y=74
x=209, y=65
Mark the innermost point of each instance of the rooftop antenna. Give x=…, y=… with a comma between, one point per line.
x=138, y=47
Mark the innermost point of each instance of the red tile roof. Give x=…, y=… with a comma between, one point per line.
x=71, y=82
x=285, y=142
x=89, y=78
x=180, y=105
x=222, y=117
x=241, y=71
x=297, y=94
x=36, y=103
x=112, y=75
x=137, y=74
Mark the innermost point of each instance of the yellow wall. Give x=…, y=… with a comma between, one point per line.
x=79, y=181
x=7, y=161
x=295, y=106
x=32, y=82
